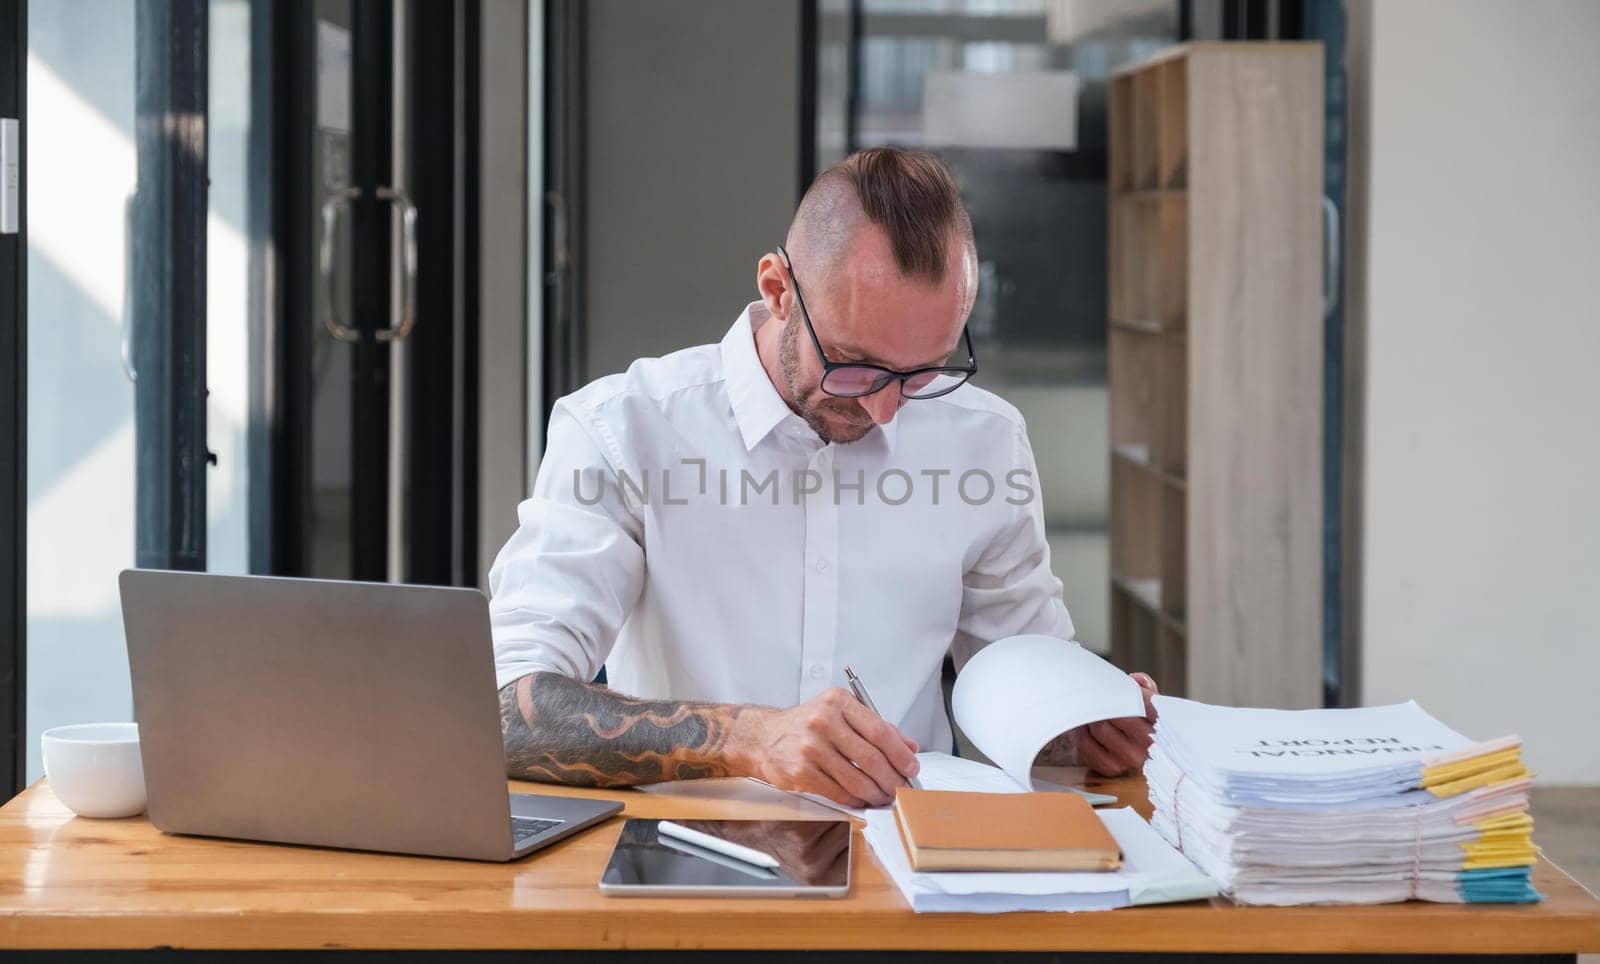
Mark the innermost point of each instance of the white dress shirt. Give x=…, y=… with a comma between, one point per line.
x=652, y=545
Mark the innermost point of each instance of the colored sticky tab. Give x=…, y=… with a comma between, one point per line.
x=1448, y=772
x=1497, y=886
x=1511, y=771
x=1519, y=821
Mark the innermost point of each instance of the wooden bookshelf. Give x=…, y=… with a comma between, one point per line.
x=1215, y=357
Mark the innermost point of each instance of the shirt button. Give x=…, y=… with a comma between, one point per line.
x=816, y=671
x=822, y=565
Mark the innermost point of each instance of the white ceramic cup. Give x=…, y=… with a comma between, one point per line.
x=94, y=768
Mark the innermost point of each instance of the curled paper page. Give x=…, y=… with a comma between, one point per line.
x=1020, y=693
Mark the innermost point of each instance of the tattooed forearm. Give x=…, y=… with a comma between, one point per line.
x=558, y=730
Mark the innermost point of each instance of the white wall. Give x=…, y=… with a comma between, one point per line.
x=693, y=126
x=1476, y=169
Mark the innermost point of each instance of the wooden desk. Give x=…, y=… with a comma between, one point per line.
x=120, y=884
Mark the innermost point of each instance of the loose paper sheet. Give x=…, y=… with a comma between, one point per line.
x=1020, y=693
x=1152, y=872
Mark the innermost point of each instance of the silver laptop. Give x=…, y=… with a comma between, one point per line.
x=333, y=714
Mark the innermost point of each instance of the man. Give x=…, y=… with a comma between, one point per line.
x=728, y=527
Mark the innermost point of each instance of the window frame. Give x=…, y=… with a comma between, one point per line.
x=14, y=410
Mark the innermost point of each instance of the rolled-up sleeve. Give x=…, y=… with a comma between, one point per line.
x=562, y=587
x=1010, y=590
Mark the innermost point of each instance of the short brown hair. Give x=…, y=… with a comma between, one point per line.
x=913, y=196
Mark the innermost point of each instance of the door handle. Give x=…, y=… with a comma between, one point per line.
x=332, y=207
x=331, y=210
x=408, y=263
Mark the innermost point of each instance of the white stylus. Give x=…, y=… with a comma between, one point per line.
x=717, y=844
x=694, y=850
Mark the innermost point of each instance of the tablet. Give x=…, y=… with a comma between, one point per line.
x=813, y=858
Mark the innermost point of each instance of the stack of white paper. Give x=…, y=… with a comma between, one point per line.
x=1342, y=806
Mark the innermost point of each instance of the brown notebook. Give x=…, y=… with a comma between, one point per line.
x=948, y=830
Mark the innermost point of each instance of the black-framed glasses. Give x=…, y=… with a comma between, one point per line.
x=853, y=380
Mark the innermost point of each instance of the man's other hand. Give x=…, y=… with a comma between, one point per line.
x=829, y=745
x=1114, y=747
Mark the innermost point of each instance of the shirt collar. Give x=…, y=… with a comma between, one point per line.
x=757, y=406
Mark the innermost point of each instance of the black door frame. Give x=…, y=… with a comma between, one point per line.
x=265, y=290
x=371, y=168
x=170, y=207
x=565, y=193
x=441, y=513
x=281, y=388
x=14, y=410
x=441, y=351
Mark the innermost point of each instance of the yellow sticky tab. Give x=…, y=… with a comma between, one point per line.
x=1521, y=821
x=1509, y=844
x=1520, y=849
x=1495, y=863
x=1449, y=772
x=1461, y=785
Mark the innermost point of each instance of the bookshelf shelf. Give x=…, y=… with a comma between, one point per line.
x=1150, y=194
x=1142, y=327
x=1138, y=455
x=1215, y=358
x=1147, y=594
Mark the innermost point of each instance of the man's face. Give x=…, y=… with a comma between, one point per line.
x=867, y=312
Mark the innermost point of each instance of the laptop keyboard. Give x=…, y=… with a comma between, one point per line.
x=524, y=827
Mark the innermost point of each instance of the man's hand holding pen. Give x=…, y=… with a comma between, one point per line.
x=831, y=745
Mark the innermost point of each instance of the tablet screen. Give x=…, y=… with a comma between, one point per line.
x=810, y=854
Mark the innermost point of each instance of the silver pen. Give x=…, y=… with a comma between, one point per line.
x=860, y=690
